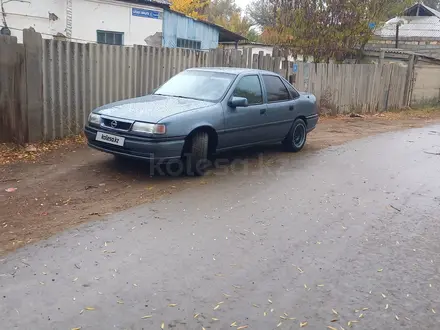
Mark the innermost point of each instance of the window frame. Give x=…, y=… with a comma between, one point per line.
x=261, y=88
x=282, y=83
x=289, y=85
x=106, y=33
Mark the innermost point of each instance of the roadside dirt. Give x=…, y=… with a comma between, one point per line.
x=72, y=184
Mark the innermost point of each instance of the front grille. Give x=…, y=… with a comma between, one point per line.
x=112, y=123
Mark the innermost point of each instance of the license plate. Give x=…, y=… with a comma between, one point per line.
x=110, y=138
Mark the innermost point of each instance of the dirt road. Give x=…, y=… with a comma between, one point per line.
x=345, y=237
x=75, y=184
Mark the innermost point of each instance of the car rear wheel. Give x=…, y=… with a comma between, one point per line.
x=197, y=159
x=297, y=136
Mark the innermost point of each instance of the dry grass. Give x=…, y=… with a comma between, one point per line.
x=12, y=153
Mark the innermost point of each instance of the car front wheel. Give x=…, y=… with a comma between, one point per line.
x=297, y=136
x=197, y=159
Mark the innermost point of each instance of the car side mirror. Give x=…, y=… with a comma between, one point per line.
x=236, y=101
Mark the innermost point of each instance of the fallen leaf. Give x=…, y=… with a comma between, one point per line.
x=264, y=313
x=216, y=307
x=256, y=306
x=320, y=285
x=305, y=286
x=146, y=317
x=279, y=324
x=397, y=318
x=303, y=324
x=386, y=306
x=89, y=308
x=233, y=324
x=9, y=190
x=81, y=311
x=226, y=295
x=270, y=301
x=214, y=319
x=242, y=327
x=292, y=318
x=203, y=328
x=433, y=310
x=283, y=317
x=120, y=302
x=334, y=320
x=383, y=295
x=196, y=315
x=172, y=305
x=380, y=270
x=365, y=309
x=76, y=328
x=361, y=315
x=221, y=302
x=300, y=270
x=334, y=312
x=162, y=326
x=331, y=328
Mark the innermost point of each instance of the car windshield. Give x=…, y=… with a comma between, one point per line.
x=200, y=85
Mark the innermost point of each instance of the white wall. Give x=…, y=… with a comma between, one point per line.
x=35, y=13
x=112, y=16
x=88, y=16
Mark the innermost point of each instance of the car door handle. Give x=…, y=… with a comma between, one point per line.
x=291, y=108
x=262, y=111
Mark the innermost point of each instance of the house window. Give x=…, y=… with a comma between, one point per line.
x=186, y=43
x=110, y=37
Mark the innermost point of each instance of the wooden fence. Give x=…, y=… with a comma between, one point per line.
x=67, y=80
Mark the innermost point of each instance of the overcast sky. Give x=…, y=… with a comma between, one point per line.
x=242, y=3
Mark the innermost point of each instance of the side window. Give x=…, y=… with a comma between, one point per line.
x=293, y=92
x=250, y=88
x=276, y=91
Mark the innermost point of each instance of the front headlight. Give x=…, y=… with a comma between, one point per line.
x=94, y=119
x=148, y=128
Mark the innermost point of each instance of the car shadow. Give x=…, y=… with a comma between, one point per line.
x=251, y=160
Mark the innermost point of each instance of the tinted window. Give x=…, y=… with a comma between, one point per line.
x=250, y=88
x=292, y=90
x=199, y=85
x=276, y=91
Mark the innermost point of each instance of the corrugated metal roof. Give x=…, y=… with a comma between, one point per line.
x=413, y=26
x=162, y=3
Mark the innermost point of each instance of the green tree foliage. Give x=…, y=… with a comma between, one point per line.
x=324, y=29
x=227, y=14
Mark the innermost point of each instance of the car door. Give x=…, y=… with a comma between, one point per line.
x=245, y=125
x=280, y=107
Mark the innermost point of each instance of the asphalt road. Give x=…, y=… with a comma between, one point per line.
x=347, y=236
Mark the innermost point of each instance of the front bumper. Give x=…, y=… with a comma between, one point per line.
x=137, y=147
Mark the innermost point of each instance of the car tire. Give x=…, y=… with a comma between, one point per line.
x=297, y=136
x=197, y=160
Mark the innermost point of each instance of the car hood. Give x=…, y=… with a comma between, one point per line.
x=150, y=108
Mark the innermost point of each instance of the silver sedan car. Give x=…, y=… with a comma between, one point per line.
x=202, y=111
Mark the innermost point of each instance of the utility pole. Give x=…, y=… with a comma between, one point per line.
x=397, y=35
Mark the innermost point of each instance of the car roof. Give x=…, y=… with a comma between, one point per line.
x=235, y=71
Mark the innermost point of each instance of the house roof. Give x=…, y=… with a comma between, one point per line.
x=158, y=3
x=397, y=51
x=224, y=34
x=418, y=20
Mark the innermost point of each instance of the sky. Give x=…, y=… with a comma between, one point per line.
x=242, y=3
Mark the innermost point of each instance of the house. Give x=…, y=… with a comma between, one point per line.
x=115, y=22
x=417, y=29
x=260, y=47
